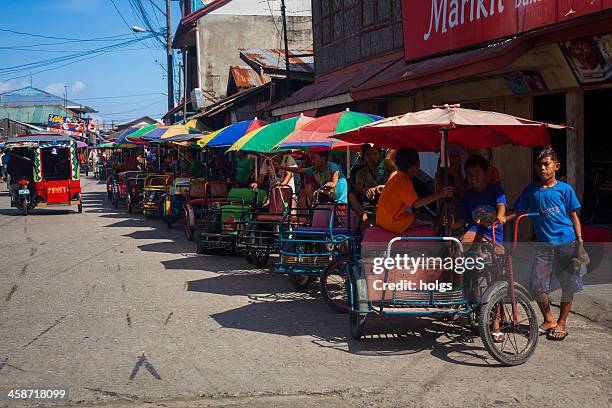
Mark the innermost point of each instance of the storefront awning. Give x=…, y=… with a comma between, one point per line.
x=403, y=77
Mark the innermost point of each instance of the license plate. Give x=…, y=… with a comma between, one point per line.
x=217, y=245
x=24, y=192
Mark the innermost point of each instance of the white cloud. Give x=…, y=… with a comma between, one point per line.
x=56, y=89
x=78, y=86
x=11, y=85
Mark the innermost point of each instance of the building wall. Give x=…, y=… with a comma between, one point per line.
x=348, y=31
x=222, y=35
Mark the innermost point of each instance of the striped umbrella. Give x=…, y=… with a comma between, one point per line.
x=265, y=138
x=230, y=134
x=318, y=132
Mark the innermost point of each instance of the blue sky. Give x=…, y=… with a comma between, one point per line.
x=132, y=70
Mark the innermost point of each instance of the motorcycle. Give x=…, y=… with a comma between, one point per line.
x=24, y=198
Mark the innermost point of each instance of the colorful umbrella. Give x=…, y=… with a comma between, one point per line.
x=133, y=135
x=317, y=133
x=265, y=138
x=470, y=128
x=80, y=144
x=230, y=134
x=164, y=132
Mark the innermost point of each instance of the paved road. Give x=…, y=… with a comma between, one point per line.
x=121, y=312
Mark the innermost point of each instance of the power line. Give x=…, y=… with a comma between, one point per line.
x=107, y=38
x=51, y=61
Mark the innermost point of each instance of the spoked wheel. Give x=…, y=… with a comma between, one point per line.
x=518, y=340
x=301, y=282
x=333, y=283
x=128, y=200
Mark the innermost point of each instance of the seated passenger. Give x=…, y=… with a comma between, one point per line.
x=395, y=210
x=326, y=174
x=493, y=175
x=481, y=205
x=371, y=179
x=245, y=167
x=276, y=176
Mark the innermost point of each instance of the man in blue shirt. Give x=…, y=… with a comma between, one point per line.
x=558, y=230
x=325, y=173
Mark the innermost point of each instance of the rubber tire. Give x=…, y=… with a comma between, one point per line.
x=80, y=207
x=260, y=260
x=485, y=330
x=25, y=207
x=301, y=282
x=356, y=324
x=334, y=305
x=248, y=256
x=189, y=233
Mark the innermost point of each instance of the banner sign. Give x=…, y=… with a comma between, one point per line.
x=65, y=125
x=436, y=26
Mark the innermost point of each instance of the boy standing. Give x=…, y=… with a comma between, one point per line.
x=559, y=232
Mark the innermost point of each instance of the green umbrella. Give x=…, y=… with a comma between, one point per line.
x=264, y=139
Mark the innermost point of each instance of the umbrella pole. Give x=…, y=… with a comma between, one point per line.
x=447, y=201
x=348, y=162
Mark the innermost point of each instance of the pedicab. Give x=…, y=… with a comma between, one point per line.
x=174, y=199
x=202, y=194
x=501, y=309
x=121, y=185
x=260, y=235
x=154, y=187
x=48, y=170
x=224, y=220
x=324, y=233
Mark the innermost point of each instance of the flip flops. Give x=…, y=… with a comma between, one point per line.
x=551, y=335
x=498, y=337
x=544, y=332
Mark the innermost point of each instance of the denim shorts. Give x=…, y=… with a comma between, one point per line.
x=556, y=260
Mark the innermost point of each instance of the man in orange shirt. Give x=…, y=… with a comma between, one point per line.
x=398, y=200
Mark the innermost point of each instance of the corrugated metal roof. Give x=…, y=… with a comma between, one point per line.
x=341, y=81
x=245, y=77
x=38, y=114
x=33, y=96
x=274, y=59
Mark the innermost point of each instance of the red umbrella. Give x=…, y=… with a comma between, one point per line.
x=470, y=128
x=432, y=130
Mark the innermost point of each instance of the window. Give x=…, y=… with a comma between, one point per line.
x=331, y=20
x=375, y=12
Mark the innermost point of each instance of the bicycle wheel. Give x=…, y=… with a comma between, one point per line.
x=518, y=340
x=333, y=283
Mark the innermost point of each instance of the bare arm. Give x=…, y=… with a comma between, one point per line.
x=577, y=226
x=335, y=178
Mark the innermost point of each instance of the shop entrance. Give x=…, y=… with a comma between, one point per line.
x=597, y=205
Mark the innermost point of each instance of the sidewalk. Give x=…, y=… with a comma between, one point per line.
x=595, y=301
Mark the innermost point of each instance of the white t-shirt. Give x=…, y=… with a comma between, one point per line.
x=278, y=175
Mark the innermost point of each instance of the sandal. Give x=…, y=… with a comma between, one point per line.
x=551, y=335
x=544, y=332
x=498, y=337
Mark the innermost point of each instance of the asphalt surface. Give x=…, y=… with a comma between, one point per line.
x=120, y=311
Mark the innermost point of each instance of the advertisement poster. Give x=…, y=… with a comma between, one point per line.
x=65, y=125
x=590, y=58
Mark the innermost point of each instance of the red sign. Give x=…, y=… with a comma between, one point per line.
x=436, y=26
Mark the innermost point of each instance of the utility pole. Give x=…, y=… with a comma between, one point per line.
x=169, y=51
x=287, y=70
